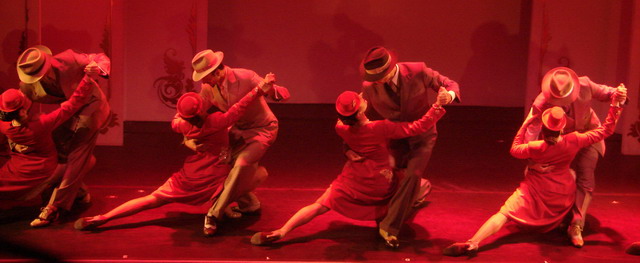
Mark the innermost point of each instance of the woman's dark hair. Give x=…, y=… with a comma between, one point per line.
x=195, y=120
x=549, y=136
x=349, y=120
x=9, y=116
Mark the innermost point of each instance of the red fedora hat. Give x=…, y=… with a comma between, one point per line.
x=377, y=63
x=560, y=86
x=13, y=99
x=554, y=118
x=348, y=103
x=189, y=105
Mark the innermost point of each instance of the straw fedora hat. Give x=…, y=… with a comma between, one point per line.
x=34, y=63
x=377, y=63
x=348, y=103
x=189, y=105
x=205, y=62
x=554, y=118
x=13, y=99
x=560, y=86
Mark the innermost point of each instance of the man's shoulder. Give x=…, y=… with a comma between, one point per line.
x=242, y=73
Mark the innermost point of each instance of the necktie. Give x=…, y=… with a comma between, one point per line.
x=394, y=95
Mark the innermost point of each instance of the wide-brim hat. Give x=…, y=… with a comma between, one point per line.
x=560, y=86
x=377, y=63
x=348, y=103
x=34, y=63
x=554, y=118
x=189, y=105
x=205, y=62
x=13, y=99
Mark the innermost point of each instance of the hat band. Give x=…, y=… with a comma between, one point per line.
x=34, y=69
x=379, y=69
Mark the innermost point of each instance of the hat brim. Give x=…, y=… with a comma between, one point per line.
x=546, y=88
x=26, y=104
x=378, y=76
x=33, y=78
x=197, y=76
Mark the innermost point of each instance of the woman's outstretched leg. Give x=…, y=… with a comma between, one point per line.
x=130, y=207
x=301, y=217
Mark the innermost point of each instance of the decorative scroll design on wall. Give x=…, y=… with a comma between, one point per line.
x=172, y=86
x=105, y=45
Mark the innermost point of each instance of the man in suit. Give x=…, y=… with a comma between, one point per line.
x=562, y=87
x=49, y=79
x=398, y=92
x=249, y=138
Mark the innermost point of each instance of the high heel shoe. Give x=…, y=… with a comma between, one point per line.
x=210, y=226
x=575, y=234
x=264, y=238
x=89, y=223
x=391, y=241
x=461, y=248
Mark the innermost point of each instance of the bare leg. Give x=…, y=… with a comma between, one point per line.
x=130, y=207
x=300, y=218
x=489, y=228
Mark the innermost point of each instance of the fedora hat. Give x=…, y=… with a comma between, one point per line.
x=205, y=62
x=377, y=63
x=34, y=63
x=561, y=86
x=13, y=99
x=189, y=105
x=348, y=103
x=554, y=118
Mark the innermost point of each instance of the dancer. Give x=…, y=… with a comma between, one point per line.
x=543, y=199
x=203, y=174
x=398, y=92
x=562, y=87
x=51, y=80
x=32, y=155
x=249, y=138
x=364, y=188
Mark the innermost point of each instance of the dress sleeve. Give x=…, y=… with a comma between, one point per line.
x=276, y=93
x=224, y=120
x=520, y=147
x=602, y=132
x=395, y=130
x=78, y=99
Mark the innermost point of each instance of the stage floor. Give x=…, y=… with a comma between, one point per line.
x=471, y=171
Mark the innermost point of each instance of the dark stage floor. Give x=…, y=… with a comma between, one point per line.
x=471, y=170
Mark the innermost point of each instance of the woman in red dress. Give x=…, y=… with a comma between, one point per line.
x=542, y=199
x=364, y=188
x=33, y=156
x=203, y=174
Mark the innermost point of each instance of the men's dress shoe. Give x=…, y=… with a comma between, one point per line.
x=391, y=241
x=460, y=248
x=264, y=238
x=210, y=226
x=89, y=223
x=47, y=215
x=575, y=234
x=252, y=210
x=634, y=248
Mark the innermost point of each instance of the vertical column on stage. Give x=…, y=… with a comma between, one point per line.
x=631, y=117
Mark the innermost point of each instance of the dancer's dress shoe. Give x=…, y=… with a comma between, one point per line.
x=633, y=249
x=252, y=210
x=575, y=234
x=210, y=226
x=89, y=223
x=461, y=248
x=47, y=215
x=264, y=238
x=390, y=240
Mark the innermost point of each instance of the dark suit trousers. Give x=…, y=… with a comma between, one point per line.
x=585, y=165
x=413, y=154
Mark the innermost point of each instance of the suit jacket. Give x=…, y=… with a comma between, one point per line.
x=69, y=69
x=581, y=117
x=239, y=82
x=413, y=81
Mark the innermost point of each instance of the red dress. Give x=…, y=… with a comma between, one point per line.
x=27, y=169
x=363, y=189
x=203, y=174
x=543, y=199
